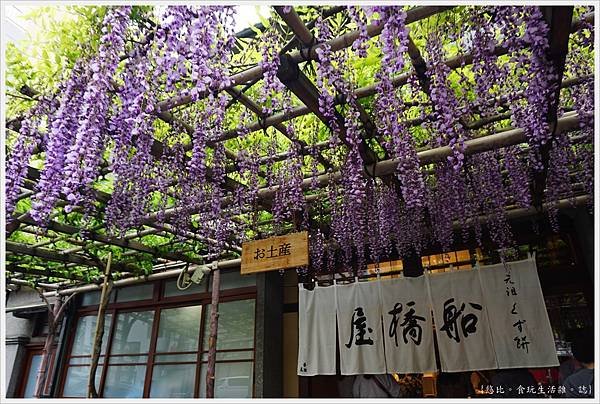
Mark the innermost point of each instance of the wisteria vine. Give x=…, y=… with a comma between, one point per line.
x=101, y=127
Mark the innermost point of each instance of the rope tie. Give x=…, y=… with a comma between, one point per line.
x=306, y=51
x=372, y=173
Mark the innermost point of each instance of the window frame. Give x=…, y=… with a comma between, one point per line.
x=31, y=351
x=157, y=303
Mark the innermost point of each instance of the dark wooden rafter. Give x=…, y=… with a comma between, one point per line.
x=362, y=92
x=295, y=41
x=307, y=40
x=420, y=68
x=559, y=19
x=47, y=273
x=116, y=241
x=419, y=65
x=50, y=255
x=454, y=62
x=294, y=79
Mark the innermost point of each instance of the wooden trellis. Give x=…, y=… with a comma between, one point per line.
x=560, y=22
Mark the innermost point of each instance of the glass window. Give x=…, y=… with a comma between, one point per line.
x=132, y=332
x=233, y=280
x=85, y=360
x=236, y=331
x=173, y=381
x=125, y=381
x=187, y=357
x=172, y=290
x=236, y=325
x=128, y=359
x=179, y=329
x=76, y=382
x=36, y=361
x=93, y=298
x=231, y=355
x=232, y=380
x=163, y=359
x=85, y=333
x=138, y=292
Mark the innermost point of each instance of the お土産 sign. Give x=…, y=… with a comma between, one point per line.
x=274, y=253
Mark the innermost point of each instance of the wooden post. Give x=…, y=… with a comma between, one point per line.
x=106, y=286
x=54, y=317
x=212, y=339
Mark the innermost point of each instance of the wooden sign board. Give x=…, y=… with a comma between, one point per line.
x=274, y=253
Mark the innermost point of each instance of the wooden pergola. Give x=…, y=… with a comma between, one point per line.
x=301, y=49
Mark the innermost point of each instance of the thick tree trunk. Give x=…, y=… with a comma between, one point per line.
x=212, y=339
x=106, y=286
x=47, y=351
x=54, y=317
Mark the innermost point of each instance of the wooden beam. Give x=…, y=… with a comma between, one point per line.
x=419, y=65
x=559, y=19
x=307, y=39
x=325, y=14
x=43, y=273
x=292, y=20
x=362, y=92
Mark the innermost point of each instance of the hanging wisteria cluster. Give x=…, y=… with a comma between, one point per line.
x=84, y=156
x=101, y=127
x=389, y=106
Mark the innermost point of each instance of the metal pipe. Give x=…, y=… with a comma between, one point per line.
x=227, y=264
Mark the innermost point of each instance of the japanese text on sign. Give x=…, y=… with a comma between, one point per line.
x=274, y=253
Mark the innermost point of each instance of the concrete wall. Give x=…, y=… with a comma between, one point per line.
x=19, y=333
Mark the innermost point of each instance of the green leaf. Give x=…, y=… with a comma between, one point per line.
x=265, y=21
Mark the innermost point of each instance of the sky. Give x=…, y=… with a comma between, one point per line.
x=17, y=28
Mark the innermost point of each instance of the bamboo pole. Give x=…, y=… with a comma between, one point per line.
x=438, y=154
x=225, y=264
x=106, y=287
x=212, y=339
